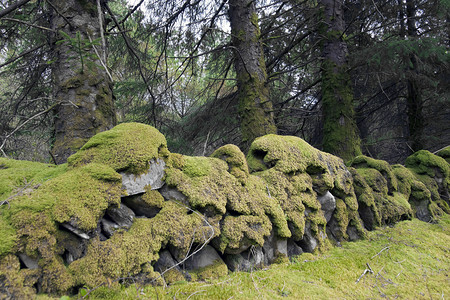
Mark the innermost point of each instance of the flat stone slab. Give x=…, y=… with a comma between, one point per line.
x=133, y=184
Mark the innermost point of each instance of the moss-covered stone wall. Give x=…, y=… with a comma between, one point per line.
x=74, y=225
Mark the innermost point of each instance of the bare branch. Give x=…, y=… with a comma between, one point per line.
x=23, y=124
x=21, y=55
x=29, y=24
x=13, y=7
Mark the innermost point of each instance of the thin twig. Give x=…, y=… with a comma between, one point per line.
x=100, y=23
x=368, y=270
x=28, y=24
x=23, y=124
x=385, y=248
x=197, y=250
x=195, y=293
x=101, y=61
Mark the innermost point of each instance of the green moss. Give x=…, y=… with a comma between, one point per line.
x=237, y=232
x=15, y=174
x=153, y=198
x=127, y=252
x=237, y=164
x=340, y=132
x=7, y=236
x=424, y=162
x=214, y=271
x=218, y=188
x=81, y=194
x=382, y=166
x=197, y=166
x=173, y=276
x=294, y=171
x=374, y=179
x=445, y=154
x=16, y=283
x=127, y=147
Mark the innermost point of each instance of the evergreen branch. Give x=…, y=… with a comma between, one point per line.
x=13, y=7
x=23, y=124
x=134, y=54
x=21, y=55
x=28, y=24
x=59, y=13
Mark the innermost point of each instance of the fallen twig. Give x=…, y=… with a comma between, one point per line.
x=385, y=248
x=368, y=270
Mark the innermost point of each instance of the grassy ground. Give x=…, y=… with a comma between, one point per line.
x=408, y=261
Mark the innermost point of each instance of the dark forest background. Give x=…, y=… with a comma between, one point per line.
x=349, y=77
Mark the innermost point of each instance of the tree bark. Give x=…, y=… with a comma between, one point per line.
x=416, y=122
x=340, y=133
x=81, y=85
x=255, y=106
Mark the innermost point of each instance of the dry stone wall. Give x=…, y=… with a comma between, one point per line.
x=124, y=206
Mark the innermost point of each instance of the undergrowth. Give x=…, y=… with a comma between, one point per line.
x=408, y=261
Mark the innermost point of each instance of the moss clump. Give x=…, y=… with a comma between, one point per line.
x=16, y=283
x=15, y=174
x=295, y=172
x=127, y=252
x=127, y=147
x=445, y=154
x=212, y=189
x=237, y=164
x=80, y=195
x=391, y=207
x=381, y=166
x=425, y=162
x=214, y=271
x=153, y=198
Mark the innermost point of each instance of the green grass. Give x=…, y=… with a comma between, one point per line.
x=409, y=261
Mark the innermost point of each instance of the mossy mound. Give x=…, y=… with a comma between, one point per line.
x=71, y=226
x=127, y=147
x=296, y=173
x=219, y=187
x=377, y=179
x=434, y=172
x=445, y=154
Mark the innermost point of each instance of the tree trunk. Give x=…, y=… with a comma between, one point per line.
x=340, y=133
x=255, y=107
x=416, y=121
x=81, y=85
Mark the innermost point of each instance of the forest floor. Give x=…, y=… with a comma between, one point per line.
x=408, y=261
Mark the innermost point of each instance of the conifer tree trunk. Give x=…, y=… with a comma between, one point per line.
x=340, y=133
x=81, y=85
x=255, y=106
x=414, y=98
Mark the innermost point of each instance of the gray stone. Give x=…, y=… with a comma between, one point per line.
x=309, y=242
x=247, y=260
x=166, y=263
x=328, y=203
x=293, y=249
x=172, y=194
x=135, y=184
x=274, y=246
x=29, y=262
x=122, y=215
x=205, y=257
x=76, y=231
x=109, y=227
x=140, y=207
x=353, y=234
